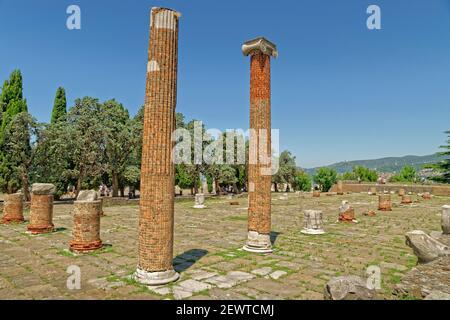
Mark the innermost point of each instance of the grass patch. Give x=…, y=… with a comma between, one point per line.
x=237, y=218
x=232, y=254
x=66, y=253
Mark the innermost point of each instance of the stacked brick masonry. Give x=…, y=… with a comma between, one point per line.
x=384, y=202
x=86, y=226
x=157, y=171
x=259, y=184
x=13, y=208
x=41, y=213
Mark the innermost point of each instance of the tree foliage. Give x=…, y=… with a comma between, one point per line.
x=443, y=167
x=302, y=181
x=407, y=174
x=59, y=106
x=287, y=170
x=18, y=153
x=361, y=173
x=325, y=178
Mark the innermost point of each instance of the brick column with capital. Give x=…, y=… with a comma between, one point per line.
x=259, y=179
x=156, y=221
x=41, y=208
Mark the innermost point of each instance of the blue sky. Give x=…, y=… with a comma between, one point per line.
x=339, y=91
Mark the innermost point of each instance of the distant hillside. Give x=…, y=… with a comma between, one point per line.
x=391, y=164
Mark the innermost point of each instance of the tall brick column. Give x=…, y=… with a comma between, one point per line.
x=157, y=171
x=41, y=208
x=13, y=208
x=259, y=180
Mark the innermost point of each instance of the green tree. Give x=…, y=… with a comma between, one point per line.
x=12, y=103
x=443, y=167
x=86, y=140
x=59, y=106
x=407, y=174
x=287, y=170
x=11, y=100
x=53, y=161
x=302, y=181
x=182, y=178
x=18, y=153
x=325, y=178
x=361, y=173
x=120, y=147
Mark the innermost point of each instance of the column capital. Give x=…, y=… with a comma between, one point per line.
x=164, y=18
x=260, y=44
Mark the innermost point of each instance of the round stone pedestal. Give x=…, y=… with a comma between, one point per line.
x=155, y=278
x=384, y=203
x=13, y=208
x=316, y=193
x=41, y=214
x=86, y=226
x=199, y=201
x=258, y=243
x=313, y=222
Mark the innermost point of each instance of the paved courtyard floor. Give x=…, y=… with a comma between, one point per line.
x=208, y=255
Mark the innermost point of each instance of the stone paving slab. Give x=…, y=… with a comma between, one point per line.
x=208, y=252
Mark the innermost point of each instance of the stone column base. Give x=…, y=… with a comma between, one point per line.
x=199, y=206
x=8, y=220
x=155, y=278
x=84, y=247
x=312, y=231
x=258, y=243
x=35, y=229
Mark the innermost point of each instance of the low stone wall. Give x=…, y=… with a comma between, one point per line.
x=437, y=190
x=119, y=201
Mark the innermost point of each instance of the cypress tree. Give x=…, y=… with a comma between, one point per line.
x=11, y=100
x=59, y=106
x=12, y=103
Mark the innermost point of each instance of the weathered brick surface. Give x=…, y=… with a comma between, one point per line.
x=157, y=171
x=86, y=226
x=406, y=199
x=259, y=195
x=13, y=208
x=41, y=213
x=384, y=202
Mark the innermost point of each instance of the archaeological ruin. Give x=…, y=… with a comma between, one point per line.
x=156, y=219
x=259, y=173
